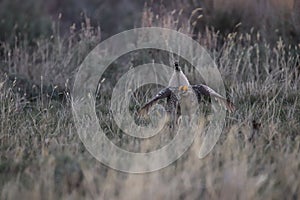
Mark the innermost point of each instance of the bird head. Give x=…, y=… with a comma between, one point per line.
x=177, y=68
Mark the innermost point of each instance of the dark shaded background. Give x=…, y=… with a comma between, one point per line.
x=34, y=18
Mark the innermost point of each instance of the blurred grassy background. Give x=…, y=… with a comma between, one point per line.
x=255, y=45
x=34, y=18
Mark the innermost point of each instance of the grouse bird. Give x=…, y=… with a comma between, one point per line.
x=183, y=97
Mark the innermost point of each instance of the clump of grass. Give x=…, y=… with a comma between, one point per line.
x=52, y=60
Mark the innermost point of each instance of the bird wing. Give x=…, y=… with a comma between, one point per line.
x=164, y=93
x=207, y=91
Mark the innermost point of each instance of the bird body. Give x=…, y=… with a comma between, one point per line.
x=187, y=100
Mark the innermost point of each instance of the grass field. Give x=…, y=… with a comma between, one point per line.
x=257, y=156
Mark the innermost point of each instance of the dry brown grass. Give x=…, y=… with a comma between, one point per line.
x=257, y=156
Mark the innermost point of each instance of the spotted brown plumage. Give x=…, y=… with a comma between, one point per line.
x=164, y=93
x=207, y=91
